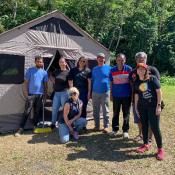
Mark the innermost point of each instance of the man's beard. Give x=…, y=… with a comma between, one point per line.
x=38, y=66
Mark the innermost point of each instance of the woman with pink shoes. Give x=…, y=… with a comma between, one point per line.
x=148, y=97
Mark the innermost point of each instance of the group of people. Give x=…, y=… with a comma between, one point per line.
x=124, y=86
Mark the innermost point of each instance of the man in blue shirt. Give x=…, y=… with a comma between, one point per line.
x=100, y=92
x=120, y=94
x=35, y=84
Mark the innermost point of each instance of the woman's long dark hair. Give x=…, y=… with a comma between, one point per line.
x=146, y=75
x=82, y=57
x=59, y=68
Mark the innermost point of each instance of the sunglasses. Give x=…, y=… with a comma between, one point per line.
x=83, y=61
x=73, y=94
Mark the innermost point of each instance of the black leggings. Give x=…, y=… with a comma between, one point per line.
x=148, y=118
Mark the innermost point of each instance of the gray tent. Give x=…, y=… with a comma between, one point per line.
x=50, y=35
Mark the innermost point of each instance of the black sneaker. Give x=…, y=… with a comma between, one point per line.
x=84, y=129
x=52, y=126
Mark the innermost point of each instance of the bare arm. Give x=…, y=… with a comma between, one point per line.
x=132, y=91
x=70, y=82
x=65, y=115
x=159, y=96
x=26, y=91
x=89, y=88
x=159, y=99
x=111, y=91
x=136, y=98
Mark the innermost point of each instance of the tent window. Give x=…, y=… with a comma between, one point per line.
x=11, y=69
x=56, y=25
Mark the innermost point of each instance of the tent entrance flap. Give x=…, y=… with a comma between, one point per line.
x=53, y=65
x=47, y=61
x=54, y=62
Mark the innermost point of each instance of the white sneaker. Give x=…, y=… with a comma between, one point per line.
x=125, y=135
x=19, y=132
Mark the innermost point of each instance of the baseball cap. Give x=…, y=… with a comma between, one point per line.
x=142, y=65
x=101, y=55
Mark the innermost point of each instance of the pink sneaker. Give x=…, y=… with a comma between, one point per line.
x=160, y=154
x=75, y=135
x=143, y=148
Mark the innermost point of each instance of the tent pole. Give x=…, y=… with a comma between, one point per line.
x=51, y=62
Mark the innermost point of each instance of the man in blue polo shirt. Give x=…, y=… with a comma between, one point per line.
x=100, y=92
x=35, y=84
x=120, y=94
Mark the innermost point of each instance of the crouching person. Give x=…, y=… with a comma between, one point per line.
x=70, y=122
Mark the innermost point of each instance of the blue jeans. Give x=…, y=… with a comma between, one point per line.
x=58, y=102
x=63, y=129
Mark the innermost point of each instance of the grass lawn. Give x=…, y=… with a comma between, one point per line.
x=94, y=153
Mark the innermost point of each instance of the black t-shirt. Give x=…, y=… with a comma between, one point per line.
x=133, y=76
x=61, y=80
x=147, y=91
x=80, y=77
x=75, y=107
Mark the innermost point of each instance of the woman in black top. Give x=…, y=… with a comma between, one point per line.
x=148, y=107
x=71, y=122
x=60, y=88
x=80, y=77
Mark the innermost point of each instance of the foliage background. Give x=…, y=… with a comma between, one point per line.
x=126, y=26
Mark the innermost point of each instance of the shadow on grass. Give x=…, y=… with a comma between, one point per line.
x=50, y=138
x=104, y=148
x=95, y=146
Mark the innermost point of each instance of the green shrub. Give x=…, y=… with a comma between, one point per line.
x=167, y=80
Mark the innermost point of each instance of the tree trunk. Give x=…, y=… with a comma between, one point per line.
x=15, y=10
x=119, y=36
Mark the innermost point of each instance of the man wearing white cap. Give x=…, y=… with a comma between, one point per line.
x=100, y=92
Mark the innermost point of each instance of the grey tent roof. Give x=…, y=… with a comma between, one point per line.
x=33, y=30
